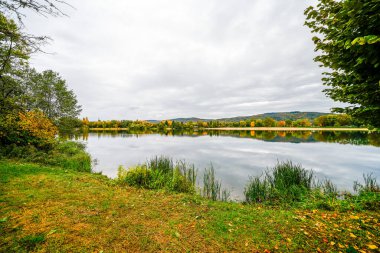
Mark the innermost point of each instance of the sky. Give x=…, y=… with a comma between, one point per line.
x=161, y=59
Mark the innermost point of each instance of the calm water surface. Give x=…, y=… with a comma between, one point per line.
x=340, y=156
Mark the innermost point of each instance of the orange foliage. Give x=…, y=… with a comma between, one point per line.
x=281, y=123
x=37, y=125
x=252, y=124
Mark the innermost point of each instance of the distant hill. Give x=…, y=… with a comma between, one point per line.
x=184, y=120
x=280, y=116
x=275, y=115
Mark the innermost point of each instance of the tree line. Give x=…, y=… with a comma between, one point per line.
x=330, y=120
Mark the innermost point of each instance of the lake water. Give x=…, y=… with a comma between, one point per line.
x=342, y=157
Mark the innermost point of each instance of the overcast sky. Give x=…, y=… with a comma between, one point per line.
x=159, y=59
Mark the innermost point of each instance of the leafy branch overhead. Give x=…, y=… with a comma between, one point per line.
x=347, y=35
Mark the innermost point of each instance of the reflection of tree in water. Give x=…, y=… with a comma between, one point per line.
x=302, y=134
x=374, y=139
x=354, y=137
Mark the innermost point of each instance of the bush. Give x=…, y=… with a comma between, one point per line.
x=138, y=176
x=160, y=173
x=257, y=190
x=286, y=182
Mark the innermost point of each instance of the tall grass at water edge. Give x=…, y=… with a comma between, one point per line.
x=161, y=172
x=290, y=184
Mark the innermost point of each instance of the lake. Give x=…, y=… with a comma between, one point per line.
x=342, y=157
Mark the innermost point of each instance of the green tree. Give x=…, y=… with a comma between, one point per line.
x=14, y=53
x=348, y=37
x=269, y=122
x=48, y=92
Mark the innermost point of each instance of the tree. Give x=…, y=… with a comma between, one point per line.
x=14, y=53
x=269, y=122
x=48, y=92
x=348, y=37
x=281, y=123
x=43, y=7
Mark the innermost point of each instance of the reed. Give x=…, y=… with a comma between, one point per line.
x=286, y=181
x=212, y=187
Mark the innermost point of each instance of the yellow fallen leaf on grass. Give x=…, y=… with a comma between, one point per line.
x=332, y=243
x=372, y=246
x=352, y=235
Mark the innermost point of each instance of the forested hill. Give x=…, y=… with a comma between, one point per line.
x=279, y=116
x=274, y=115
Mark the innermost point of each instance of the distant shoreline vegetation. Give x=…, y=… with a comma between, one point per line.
x=342, y=122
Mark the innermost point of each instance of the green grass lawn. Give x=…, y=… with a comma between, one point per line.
x=46, y=209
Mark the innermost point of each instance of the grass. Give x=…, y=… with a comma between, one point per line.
x=286, y=182
x=160, y=173
x=65, y=154
x=289, y=184
x=212, y=187
x=49, y=209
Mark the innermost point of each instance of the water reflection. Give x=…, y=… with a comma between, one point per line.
x=352, y=137
x=236, y=155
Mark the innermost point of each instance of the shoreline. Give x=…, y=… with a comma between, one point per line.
x=289, y=128
x=258, y=128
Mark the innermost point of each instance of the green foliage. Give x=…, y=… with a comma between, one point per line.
x=160, y=173
x=347, y=35
x=68, y=124
x=256, y=190
x=290, y=184
x=14, y=53
x=138, y=176
x=65, y=154
x=334, y=120
x=48, y=92
x=286, y=182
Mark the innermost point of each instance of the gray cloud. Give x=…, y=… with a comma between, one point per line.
x=154, y=59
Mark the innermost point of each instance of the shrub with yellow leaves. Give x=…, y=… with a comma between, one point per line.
x=36, y=128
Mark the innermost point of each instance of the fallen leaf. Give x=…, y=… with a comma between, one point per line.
x=352, y=235
x=372, y=246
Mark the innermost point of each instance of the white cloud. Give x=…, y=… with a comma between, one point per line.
x=164, y=58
